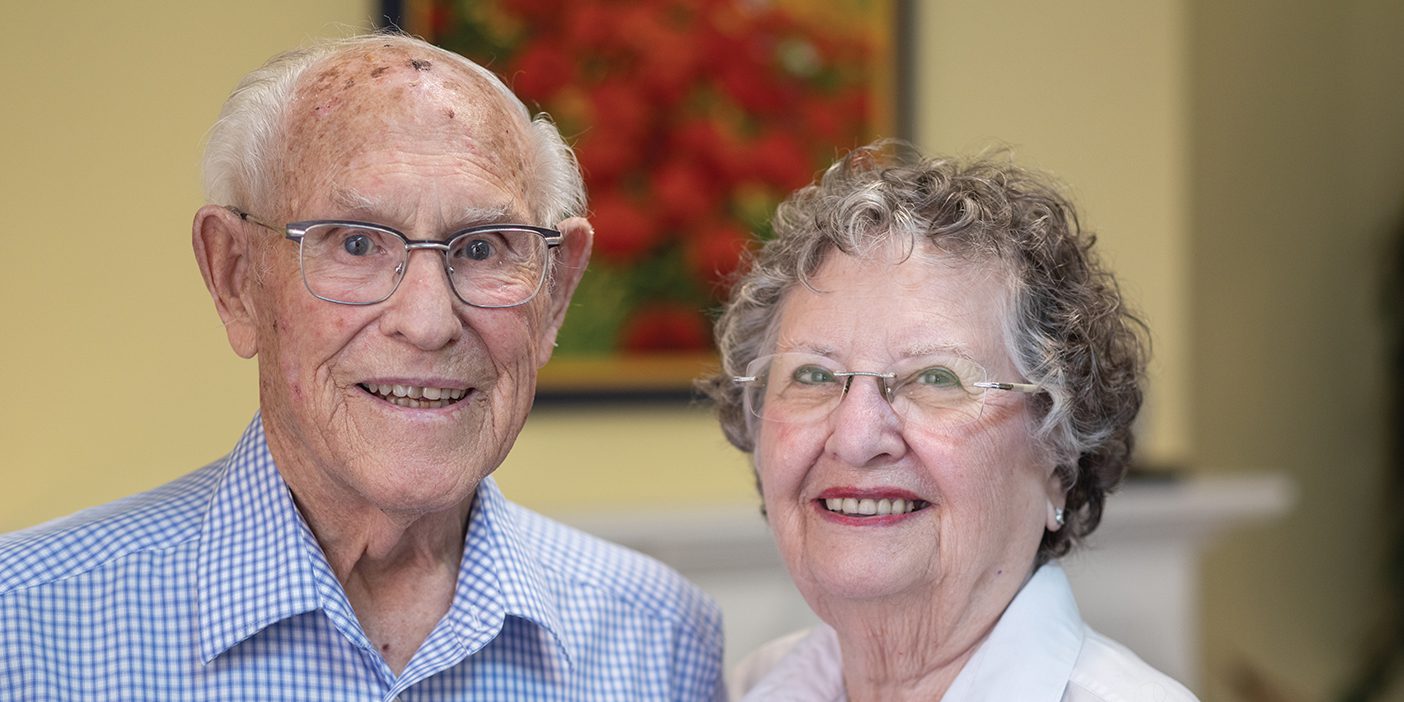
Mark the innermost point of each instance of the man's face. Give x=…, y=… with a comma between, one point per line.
x=405, y=140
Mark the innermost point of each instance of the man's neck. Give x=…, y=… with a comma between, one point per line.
x=399, y=571
x=400, y=603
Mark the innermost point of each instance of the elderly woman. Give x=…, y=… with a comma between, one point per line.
x=936, y=380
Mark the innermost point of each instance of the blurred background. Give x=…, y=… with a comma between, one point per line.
x=1243, y=163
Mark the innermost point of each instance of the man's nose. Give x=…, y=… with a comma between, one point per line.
x=864, y=429
x=423, y=310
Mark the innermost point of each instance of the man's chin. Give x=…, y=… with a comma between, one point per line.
x=418, y=492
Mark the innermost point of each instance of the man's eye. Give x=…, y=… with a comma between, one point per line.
x=813, y=375
x=358, y=245
x=937, y=377
x=478, y=250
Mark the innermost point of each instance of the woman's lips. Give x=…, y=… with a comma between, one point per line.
x=869, y=505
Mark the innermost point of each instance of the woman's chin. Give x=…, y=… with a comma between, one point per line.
x=854, y=580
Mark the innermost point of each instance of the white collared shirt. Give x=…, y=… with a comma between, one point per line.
x=1040, y=650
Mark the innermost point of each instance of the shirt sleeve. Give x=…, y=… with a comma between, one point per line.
x=697, y=657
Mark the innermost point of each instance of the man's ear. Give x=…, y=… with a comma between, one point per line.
x=572, y=257
x=223, y=251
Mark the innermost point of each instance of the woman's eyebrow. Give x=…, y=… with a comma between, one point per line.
x=944, y=349
x=914, y=351
x=815, y=348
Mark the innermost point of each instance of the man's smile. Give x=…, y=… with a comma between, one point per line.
x=415, y=396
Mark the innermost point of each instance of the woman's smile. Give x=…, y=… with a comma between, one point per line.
x=868, y=506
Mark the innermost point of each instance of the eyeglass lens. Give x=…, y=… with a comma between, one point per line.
x=360, y=265
x=801, y=388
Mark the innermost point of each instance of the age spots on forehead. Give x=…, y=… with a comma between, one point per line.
x=386, y=97
x=328, y=78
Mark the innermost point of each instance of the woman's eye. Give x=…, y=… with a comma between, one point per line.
x=813, y=375
x=938, y=377
x=358, y=245
x=477, y=250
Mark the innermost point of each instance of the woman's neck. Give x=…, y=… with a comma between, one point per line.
x=913, y=646
x=893, y=653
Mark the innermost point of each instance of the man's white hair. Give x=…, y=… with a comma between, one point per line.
x=244, y=147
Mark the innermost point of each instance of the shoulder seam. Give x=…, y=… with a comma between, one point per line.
x=115, y=559
x=675, y=615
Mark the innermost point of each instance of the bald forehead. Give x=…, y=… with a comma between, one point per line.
x=365, y=97
x=391, y=65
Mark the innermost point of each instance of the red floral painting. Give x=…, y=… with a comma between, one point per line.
x=691, y=119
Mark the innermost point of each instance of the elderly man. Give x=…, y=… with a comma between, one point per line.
x=378, y=237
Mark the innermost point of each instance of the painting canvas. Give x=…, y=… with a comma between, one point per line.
x=691, y=120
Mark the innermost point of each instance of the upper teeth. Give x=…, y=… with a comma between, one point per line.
x=415, y=396
x=869, y=507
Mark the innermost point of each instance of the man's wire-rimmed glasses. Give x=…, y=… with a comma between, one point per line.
x=358, y=263
x=942, y=391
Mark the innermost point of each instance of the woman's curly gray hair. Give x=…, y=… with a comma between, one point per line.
x=1068, y=330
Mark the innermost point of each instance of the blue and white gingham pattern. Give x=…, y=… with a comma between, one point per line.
x=212, y=587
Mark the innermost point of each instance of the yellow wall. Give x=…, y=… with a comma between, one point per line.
x=1093, y=93
x=115, y=362
x=1242, y=161
x=1299, y=184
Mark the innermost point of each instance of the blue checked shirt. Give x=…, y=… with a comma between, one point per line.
x=212, y=587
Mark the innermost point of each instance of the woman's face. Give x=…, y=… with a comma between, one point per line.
x=981, y=487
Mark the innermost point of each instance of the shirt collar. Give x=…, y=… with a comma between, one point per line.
x=258, y=563
x=498, y=570
x=1030, y=653
x=252, y=568
x=1028, y=656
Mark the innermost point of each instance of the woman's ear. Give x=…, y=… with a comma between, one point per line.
x=1057, y=500
x=222, y=250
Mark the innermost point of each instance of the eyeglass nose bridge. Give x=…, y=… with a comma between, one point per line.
x=402, y=268
x=884, y=381
x=437, y=245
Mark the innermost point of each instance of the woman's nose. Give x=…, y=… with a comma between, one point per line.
x=864, y=429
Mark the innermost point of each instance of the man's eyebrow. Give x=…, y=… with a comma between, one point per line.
x=352, y=201
x=358, y=205
x=471, y=215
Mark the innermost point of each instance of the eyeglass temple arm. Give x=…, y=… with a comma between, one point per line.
x=249, y=218
x=240, y=213
x=1016, y=387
